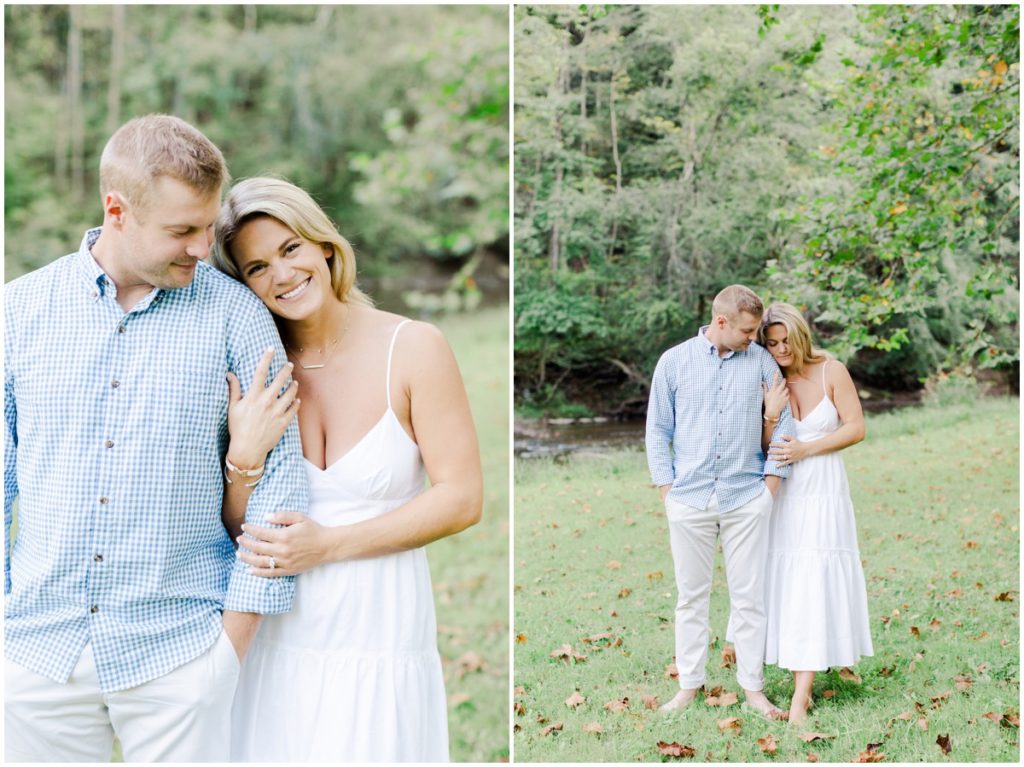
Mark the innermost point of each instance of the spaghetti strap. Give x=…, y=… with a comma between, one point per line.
x=391, y=350
x=824, y=388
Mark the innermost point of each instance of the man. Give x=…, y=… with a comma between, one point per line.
x=704, y=427
x=127, y=612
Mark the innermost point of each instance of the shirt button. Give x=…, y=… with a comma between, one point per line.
x=103, y=500
x=98, y=558
x=114, y=384
x=717, y=457
x=94, y=609
x=109, y=443
x=120, y=328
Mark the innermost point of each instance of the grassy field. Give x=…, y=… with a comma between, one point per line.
x=470, y=570
x=936, y=493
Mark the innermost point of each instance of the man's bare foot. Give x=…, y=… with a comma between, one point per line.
x=682, y=699
x=756, y=700
x=798, y=708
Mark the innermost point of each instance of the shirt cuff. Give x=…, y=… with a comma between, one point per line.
x=252, y=594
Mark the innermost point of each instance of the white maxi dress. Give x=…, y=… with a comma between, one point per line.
x=817, y=603
x=352, y=673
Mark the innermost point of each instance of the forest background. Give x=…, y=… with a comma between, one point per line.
x=859, y=162
x=396, y=120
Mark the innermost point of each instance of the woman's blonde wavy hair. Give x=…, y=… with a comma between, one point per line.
x=798, y=331
x=281, y=200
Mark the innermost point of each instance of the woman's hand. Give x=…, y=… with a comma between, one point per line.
x=257, y=420
x=776, y=397
x=298, y=546
x=788, y=450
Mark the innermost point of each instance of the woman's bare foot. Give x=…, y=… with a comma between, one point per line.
x=798, y=708
x=682, y=699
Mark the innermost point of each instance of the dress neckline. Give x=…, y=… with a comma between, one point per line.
x=361, y=440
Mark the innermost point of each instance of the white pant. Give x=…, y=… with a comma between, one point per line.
x=183, y=716
x=694, y=535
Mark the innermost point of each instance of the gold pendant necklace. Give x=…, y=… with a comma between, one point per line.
x=326, y=351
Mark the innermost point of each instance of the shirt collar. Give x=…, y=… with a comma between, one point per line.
x=712, y=349
x=90, y=269
x=99, y=284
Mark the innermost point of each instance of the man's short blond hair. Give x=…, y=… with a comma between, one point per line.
x=734, y=300
x=146, y=148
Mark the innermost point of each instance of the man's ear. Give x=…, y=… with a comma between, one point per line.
x=115, y=209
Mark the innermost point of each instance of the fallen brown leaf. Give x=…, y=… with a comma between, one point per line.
x=575, y=700
x=728, y=657
x=812, y=757
x=1011, y=719
x=915, y=631
x=617, y=705
x=993, y=716
x=937, y=699
x=732, y=723
x=519, y=708
x=469, y=663
x=828, y=694
x=869, y=756
x=565, y=653
x=551, y=728
x=657, y=575
x=810, y=737
x=922, y=724
x=593, y=727
x=934, y=625
x=906, y=716
x=519, y=691
x=1006, y=596
x=726, y=699
x=520, y=638
x=886, y=671
x=963, y=683
x=458, y=699
x=625, y=592
x=650, y=701
x=768, y=744
x=671, y=672
x=674, y=749
x=848, y=675
x=944, y=744
x=614, y=565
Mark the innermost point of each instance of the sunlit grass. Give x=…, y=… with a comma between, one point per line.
x=936, y=493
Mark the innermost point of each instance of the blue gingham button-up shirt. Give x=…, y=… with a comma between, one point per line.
x=116, y=431
x=704, y=424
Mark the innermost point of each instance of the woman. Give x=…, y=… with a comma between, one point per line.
x=816, y=597
x=352, y=673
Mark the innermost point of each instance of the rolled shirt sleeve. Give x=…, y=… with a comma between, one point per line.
x=284, y=484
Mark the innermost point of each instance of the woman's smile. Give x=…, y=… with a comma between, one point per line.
x=295, y=292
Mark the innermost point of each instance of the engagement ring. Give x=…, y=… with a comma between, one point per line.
x=272, y=564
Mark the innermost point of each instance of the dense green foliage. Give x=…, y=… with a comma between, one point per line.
x=861, y=163
x=593, y=570
x=394, y=118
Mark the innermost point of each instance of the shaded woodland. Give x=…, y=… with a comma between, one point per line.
x=394, y=118
x=859, y=162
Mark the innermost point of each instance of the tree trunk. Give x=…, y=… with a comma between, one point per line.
x=618, y=165
x=116, y=65
x=250, y=18
x=76, y=120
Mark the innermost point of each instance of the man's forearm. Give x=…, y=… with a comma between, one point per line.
x=241, y=628
x=772, y=482
x=663, y=489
